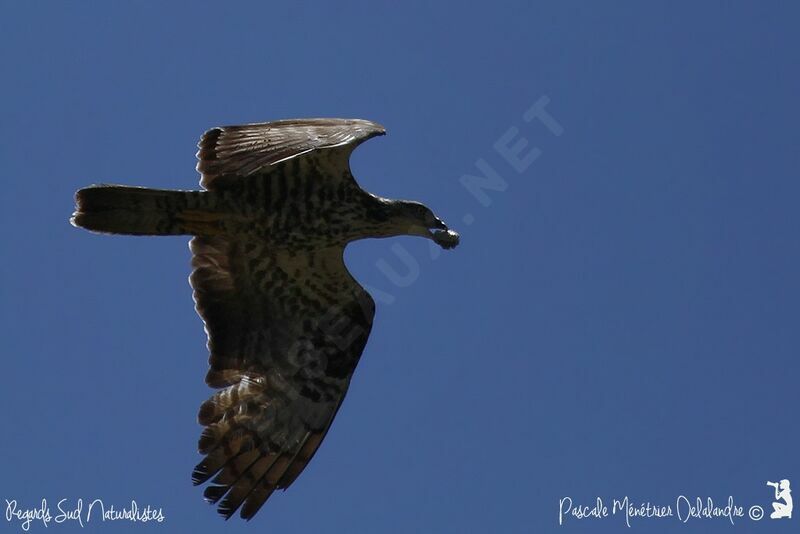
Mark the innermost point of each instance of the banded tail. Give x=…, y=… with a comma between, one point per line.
x=120, y=209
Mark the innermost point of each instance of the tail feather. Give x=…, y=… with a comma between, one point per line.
x=118, y=209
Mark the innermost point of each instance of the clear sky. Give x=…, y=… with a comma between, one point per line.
x=621, y=318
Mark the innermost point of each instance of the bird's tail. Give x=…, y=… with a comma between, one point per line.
x=119, y=209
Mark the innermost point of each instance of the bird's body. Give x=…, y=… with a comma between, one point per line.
x=285, y=320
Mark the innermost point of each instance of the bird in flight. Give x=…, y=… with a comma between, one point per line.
x=286, y=322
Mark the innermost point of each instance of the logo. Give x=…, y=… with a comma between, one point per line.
x=782, y=510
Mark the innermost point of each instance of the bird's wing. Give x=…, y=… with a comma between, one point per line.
x=234, y=152
x=285, y=333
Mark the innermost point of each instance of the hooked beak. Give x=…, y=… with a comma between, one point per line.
x=441, y=234
x=436, y=223
x=434, y=229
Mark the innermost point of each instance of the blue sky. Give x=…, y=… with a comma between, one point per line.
x=621, y=319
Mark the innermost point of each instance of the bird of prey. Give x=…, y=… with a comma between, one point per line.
x=286, y=322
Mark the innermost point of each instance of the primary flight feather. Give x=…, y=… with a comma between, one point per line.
x=286, y=322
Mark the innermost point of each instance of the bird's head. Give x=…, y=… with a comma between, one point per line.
x=415, y=218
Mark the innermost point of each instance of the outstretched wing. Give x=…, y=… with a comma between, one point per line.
x=285, y=332
x=234, y=152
